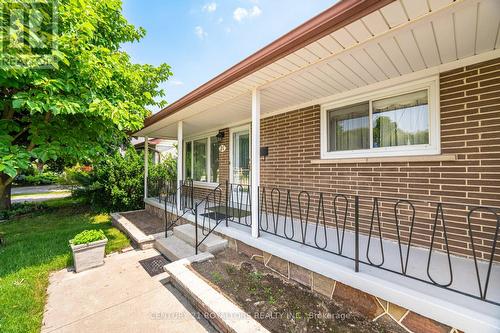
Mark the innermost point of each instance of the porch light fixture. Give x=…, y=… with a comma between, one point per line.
x=220, y=136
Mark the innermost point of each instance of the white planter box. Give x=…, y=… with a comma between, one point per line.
x=87, y=256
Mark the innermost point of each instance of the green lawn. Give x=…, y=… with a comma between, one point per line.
x=35, y=246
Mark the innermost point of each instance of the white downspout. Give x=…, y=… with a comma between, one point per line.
x=255, y=161
x=146, y=166
x=179, y=161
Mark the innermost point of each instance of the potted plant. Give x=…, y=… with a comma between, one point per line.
x=88, y=249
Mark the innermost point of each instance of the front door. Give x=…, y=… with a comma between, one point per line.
x=240, y=160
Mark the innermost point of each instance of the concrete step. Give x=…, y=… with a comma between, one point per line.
x=174, y=248
x=210, y=300
x=212, y=244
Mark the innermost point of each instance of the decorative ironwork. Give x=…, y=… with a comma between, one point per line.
x=337, y=220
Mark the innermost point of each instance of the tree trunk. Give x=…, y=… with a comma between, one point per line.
x=5, y=182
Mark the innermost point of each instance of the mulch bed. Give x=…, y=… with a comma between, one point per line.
x=281, y=305
x=148, y=223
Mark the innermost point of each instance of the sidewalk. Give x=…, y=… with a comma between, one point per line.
x=39, y=193
x=117, y=297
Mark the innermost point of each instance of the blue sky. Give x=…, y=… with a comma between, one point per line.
x=200, y=39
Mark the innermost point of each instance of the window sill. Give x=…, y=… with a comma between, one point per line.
x=418, y=158
x=206, y=185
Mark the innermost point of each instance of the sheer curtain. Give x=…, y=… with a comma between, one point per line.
x=200, y=160
x=401, y=120
x=214, y=160
x=189, y=156
x=348, y=128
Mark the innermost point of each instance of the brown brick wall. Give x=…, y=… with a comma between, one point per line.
x=224, y=159
x=470, y=128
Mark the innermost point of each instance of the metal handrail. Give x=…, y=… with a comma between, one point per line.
x=212, y=202
x=186, y=203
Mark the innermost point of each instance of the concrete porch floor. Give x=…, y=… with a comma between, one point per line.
x=118, y=297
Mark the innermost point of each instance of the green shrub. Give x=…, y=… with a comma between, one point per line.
x=22, y=209
x=42, y=178
x=88, y=236
x=166, y=170
x=116, y=183
x=162, y=172
x=77, y=175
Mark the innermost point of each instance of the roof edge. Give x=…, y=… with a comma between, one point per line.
x=328, y=21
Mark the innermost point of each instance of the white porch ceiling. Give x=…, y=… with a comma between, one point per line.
x=401, y=38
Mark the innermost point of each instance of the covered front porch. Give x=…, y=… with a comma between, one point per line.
x=434, y=283
x=359, y=147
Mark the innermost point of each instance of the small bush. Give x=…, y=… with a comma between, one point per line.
x=43, y=178
x=160, y=173
x=77, y=175
x=216, y=277
x=116, y=184
x=88, y=236
x=166, y=169
x=22, y=209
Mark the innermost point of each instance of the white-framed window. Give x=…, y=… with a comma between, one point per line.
x=397, y=121
x=240, y=154
x=201, y=159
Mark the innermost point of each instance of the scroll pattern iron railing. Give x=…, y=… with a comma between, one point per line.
x=412, y=238
x=329, y=222
x=238, y=204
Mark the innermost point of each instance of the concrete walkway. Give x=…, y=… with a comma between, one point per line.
x=118, y=297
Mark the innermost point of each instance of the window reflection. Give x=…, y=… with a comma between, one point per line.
x=402, y=120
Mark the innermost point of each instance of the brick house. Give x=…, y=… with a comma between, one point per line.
x=369, y=137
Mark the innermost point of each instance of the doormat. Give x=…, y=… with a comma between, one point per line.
x=154, y=265
x=215, y=216
x=233, y=212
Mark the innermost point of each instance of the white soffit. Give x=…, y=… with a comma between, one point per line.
x=403, y=37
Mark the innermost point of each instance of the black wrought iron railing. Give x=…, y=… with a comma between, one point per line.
x=238, y=204
x=428, y=241
x=173, y=211
x=392, y=234
x=209, y=213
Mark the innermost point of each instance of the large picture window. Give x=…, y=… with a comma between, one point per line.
x=201, y=161
x=403, y=121
x=349, y=128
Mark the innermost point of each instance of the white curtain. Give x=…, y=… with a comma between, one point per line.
x=401, y=120
x=200, y=160
x=348, y=128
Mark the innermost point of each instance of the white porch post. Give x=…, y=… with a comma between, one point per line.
x=146, y=166
x=255, y=161
x=179, y=162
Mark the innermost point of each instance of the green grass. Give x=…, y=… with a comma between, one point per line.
x=35, y=246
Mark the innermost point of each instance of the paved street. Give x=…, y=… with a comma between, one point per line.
x=39, y=189
x=39, y=193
